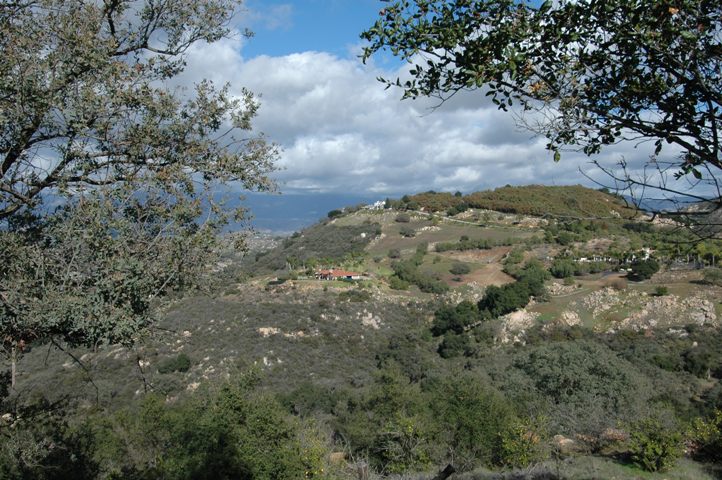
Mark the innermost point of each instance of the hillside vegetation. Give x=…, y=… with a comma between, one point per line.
x=495, y=341
x=540, y=200
x=574, y=201
x=328, y=242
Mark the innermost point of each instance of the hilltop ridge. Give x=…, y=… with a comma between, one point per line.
x=536, y=200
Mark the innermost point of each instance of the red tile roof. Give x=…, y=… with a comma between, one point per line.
x=338, y=273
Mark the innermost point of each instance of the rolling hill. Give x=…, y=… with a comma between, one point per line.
x=364, y=360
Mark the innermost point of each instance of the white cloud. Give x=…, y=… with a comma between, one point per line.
x=342, y=132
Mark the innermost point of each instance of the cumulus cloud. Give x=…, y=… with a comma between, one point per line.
x=342, y=132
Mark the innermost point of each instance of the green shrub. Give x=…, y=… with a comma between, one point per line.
x=505, y=299
x=565, y=238
x=705, y=438
x=403, y=218
x=597, y=267
x=499, y=301
x=459, y=208
x=470, y=415
x=454, y=319
x=401, y=446
x=309, y=398
x=460, y=268
x=653, y=446
x=234, y=432
x=394, y=253
x=408, y=271
x=407, y=232
x=581, y=268
x=644, y=269
x=522, y=444
x=514, y=257
x=335, y=213
x=712, y=276
x=371, y=421
x=455, y=345
x=661, y=291
x=639, y=227
x=395, y=283
x=179, y=363
x=698, y=361
x=587, y=385
x=562, y=268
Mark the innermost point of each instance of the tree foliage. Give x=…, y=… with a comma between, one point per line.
x=460, y=268
x=85, y=101
x=472, y=415
x=653, y=446
x=454, y=319
x=109, y=178
x=562, y=268
x=712, y=276
x=499, y=301
x=644, y=269
x=598, y=71
x=227, y=432
x=586, y=384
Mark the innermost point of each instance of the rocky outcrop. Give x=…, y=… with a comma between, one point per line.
x=556, y=289
x=669, y=311
x=515, y=324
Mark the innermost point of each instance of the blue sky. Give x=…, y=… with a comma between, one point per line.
x=342, y=133
x=285, y=27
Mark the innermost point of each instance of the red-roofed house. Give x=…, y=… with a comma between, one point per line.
x=337, y=275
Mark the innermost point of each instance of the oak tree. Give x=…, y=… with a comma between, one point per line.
x=593, y=73
x=109, y=175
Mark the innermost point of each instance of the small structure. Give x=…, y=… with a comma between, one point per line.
x=378, y=205
x=337, y=275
